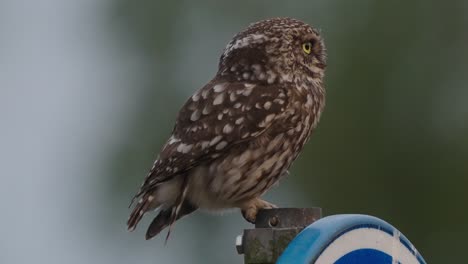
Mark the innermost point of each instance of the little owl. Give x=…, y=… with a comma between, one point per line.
x=239, y=134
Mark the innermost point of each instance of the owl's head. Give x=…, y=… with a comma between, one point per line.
x=274, y=51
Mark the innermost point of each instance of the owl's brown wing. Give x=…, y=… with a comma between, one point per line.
x=217, y=117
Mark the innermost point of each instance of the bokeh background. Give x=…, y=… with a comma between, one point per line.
x=89, y=91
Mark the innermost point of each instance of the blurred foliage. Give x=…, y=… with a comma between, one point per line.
x=393, y=141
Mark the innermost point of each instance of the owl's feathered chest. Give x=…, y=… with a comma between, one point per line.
x=306, y=103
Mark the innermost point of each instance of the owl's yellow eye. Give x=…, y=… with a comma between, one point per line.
x=307, y=47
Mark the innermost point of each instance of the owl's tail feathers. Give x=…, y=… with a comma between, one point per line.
x=167, y=217
x=145, y=204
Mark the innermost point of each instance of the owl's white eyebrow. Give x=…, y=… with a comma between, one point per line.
x=243, y=42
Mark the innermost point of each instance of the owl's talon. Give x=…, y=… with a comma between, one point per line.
x=249, y=216
x=250, y=209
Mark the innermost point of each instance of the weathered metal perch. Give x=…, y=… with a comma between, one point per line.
x=274, y=229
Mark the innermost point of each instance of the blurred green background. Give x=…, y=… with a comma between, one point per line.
x=91, y=90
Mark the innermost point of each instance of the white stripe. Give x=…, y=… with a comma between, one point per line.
x=367, y=238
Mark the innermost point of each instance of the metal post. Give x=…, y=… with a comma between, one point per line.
x=274, y=229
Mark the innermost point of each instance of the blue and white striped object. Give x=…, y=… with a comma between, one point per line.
x=350, y=239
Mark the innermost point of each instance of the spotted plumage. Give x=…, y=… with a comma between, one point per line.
x=238, y=135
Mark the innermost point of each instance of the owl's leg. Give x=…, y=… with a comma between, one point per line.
x=250, y=209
